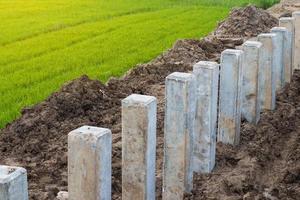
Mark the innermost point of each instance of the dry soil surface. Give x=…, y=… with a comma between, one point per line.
x=285, y=8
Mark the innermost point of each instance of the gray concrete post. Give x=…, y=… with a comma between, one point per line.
x=296, y=16
x=179, y=135
x=207, y=86
x=287, y=57
x=267, y=83
x=250, y=89
x=13, y=183
x=138, y=147
x=289, y=24
x=230, y=96
x=89, y=163
x=279, y=58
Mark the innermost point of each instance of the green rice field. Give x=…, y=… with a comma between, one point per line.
x=45, y=43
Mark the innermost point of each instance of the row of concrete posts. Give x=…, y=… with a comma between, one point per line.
x=202, y=107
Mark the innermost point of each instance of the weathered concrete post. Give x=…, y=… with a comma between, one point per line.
x=296, y=16
x=207, y=86
x=250, y=88
x=267, y=83
x=230, y=96
x=289, y=24
x=89, y=163
x=279, y=61
x=179, y=131
x=138, y=147
x=287, y=57
x=13, y=183
x=287, y=48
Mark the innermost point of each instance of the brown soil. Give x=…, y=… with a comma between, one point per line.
x=246, y=23
x=285, y=8
x=38, y=139
x=266, y=161
x=266, y=165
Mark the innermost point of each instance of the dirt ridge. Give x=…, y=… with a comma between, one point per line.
x=38, y=139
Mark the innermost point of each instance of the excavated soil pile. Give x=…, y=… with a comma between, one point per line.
x=247, y=22
x=266, y=165
x=188, y=52
x=285, y=8
x=38, y=139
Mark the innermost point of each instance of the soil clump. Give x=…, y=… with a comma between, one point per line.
x=246, y=23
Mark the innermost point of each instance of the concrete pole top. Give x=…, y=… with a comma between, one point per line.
x=87, y=131
x=8, y=173
x=267, y=35
x=286, y=19
x=252, y=44
x=279, y=29
x=296, y=13
x=233, y=52
x=180, y=77
x=137, y=100
x=205, y=64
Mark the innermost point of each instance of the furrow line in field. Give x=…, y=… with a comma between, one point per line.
x=67, y=26
x=8, y=70
x=43, y=82
x=42, y=53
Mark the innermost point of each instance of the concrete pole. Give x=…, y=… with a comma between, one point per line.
x=250, y=89
x=279, y=58
x=179, y=135
x=138, y=147
x=289, y=24
x=230, y=96
x=89, y=163
x=207, y=85
x=267, y=83
x=287, y=57
x=296, y=16
x=13, y=183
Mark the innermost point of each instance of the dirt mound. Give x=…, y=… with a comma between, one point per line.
x=246, y=22
x=188, y=52
x=38, y=139
x=285, y=8
x=266, y=165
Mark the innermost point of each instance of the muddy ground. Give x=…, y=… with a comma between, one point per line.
x=264, y=166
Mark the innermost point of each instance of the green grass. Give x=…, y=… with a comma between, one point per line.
x=44, y=43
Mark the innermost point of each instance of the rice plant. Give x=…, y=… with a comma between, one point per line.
x=45, y=43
